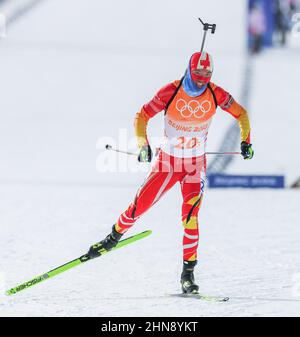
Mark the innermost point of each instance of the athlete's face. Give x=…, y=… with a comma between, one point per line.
x=201, y=76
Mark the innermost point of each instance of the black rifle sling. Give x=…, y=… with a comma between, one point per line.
x=173, y=96
x=214, y=96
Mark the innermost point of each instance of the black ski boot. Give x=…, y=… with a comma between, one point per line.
x=105, y=245
x=188, y=284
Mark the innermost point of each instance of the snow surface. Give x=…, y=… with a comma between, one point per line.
x=62, y=67
x=249, y=251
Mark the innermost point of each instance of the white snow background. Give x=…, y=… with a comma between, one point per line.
x=73, y=71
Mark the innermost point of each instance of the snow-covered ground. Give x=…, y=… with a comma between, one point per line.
x=249, y=251
x=73, y=71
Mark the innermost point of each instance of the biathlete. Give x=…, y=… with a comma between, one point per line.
x=189, y=105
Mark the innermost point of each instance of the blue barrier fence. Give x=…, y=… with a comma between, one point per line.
x=245, y=181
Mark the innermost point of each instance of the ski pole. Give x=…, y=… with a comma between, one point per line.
x=223, y=153
x=206, y=28
x=109, y=147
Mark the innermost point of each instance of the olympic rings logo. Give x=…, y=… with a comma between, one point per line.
x=193, y=107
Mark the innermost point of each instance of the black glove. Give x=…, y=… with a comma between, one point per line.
x=247, y=151
x=145, y=154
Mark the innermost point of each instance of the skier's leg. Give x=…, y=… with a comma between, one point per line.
x=160, y=179
x=192, y=187
x=192, y=197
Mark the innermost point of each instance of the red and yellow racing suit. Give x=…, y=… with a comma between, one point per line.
x=182, y=155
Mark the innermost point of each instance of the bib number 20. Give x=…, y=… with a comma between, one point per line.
x=187, y=143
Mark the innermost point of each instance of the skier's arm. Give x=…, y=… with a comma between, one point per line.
x=227, y=103
x=150, y=109
x=140, y=126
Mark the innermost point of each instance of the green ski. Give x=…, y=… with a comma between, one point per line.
x=73, y=263
x=199, y=296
